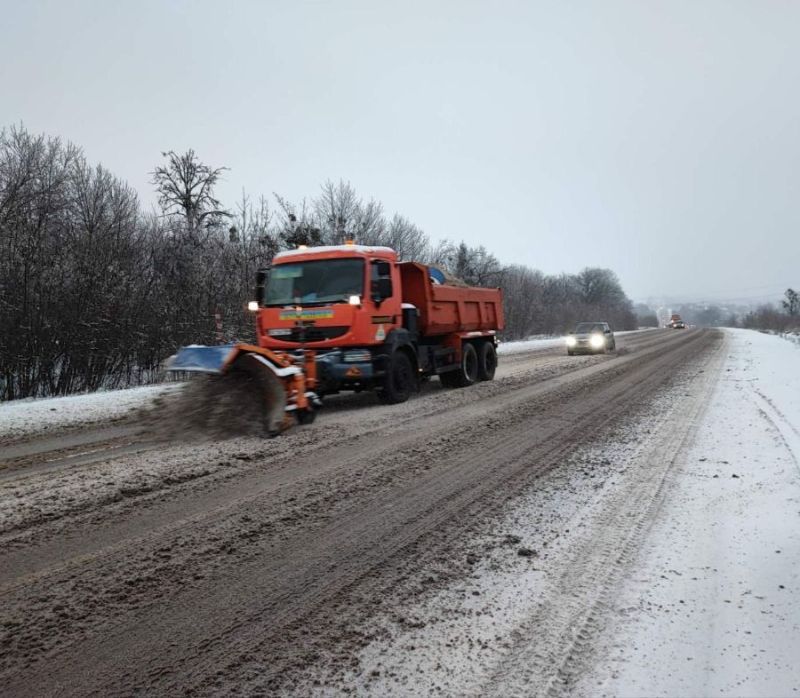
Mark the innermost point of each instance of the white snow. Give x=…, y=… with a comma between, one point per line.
x=531, y=344
x=24, y=417
x=538, y=342
x=324, y=249
x=713, y=605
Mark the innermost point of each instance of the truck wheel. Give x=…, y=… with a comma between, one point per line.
x=399, y=381
x=487, y=363
x=467, y=373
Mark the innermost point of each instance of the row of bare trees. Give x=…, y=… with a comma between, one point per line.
x=96, y=292
x=782, y=318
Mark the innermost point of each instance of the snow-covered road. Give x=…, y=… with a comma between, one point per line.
x=662, y=561
x=598, y=525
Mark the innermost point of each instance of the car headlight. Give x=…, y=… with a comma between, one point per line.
x=597, y=341
x=571, y=341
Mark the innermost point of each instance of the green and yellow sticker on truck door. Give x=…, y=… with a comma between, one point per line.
x=306, y=314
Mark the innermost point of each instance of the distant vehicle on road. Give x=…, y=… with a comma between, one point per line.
x=591, y=338
x=680, y=325
x=676, y=323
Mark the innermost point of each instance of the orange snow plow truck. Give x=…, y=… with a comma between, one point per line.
x=352, y=317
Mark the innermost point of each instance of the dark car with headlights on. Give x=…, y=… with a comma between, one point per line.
x=591, y=338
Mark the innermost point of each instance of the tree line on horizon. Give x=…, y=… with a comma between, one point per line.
x=96, y=291
x=783, y=316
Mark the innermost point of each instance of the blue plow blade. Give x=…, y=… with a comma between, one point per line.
x=201, y=359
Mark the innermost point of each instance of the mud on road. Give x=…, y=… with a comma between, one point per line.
x=239, y=566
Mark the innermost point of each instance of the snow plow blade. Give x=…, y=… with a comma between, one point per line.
x=283, y=384
x=202, y=359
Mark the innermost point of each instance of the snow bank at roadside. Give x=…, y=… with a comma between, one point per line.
x=23, y=417
x=539, y=342
x=712, y=606
x=530, y=344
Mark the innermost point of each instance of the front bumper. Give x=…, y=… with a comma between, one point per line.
x=585, y=347
x=334, y=373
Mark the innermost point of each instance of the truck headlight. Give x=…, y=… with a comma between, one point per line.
x=597, y=341
x=252, y=306
x=571, y=341
x=354, y=300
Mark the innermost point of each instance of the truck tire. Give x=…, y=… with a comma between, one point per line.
x=467, y=372
x=399, y=381
x=487, y=361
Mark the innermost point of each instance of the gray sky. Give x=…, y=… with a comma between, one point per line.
x=661, y=139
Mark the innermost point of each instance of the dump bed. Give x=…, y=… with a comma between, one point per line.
x=445, y=309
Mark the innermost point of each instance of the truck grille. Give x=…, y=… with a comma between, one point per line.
x=313, y=334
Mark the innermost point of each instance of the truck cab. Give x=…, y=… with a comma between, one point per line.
x=329, y=297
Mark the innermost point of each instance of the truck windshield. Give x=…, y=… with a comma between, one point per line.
x=318, y=282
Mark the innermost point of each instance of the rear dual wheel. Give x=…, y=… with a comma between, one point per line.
x=476, y=364
x=487, y=361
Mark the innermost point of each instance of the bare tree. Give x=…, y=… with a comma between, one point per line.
x=186, y=186
x=342, y=215
x=791, y=304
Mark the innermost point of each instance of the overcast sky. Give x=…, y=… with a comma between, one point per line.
x=660, y=139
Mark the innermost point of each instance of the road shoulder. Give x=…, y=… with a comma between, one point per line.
x=712, y=603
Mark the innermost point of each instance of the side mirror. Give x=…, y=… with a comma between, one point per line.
x=261, y=276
